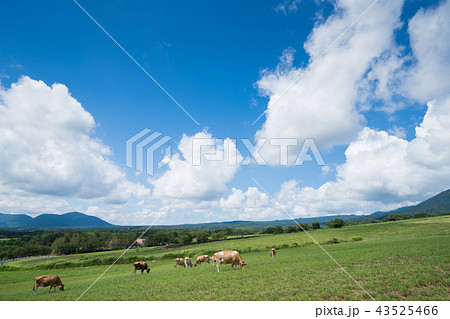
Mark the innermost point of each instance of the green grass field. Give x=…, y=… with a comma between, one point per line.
x=404, y=260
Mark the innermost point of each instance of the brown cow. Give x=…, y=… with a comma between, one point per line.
x=229, y=257
x=273, y=252
x=140, y=265
x=201, y=259
x=179, y=262
x=188, y=262
x=214, y=258
x=48, y=280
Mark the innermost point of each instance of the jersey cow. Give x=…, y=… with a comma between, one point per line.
x=140, y=265
x=201, y=259
x=273, y=252
x=48, y=280
x=187, y=262
x=228, y=257
x=179, y=262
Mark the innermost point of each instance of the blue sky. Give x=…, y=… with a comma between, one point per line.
x=224, y=63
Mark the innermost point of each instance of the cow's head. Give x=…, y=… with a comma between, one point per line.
x=242, y=264
x=148, y=269
x=61, y=287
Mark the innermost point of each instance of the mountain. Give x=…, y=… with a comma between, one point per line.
x=13, y=220
x=68, y=220
x=261, y=224
x=435, y=205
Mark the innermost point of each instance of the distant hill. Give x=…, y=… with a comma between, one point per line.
x=14, y=220
x=68, y=220
x=435, y=205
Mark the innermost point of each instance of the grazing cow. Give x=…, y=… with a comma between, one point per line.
x=273, y=252
x=179, y=262
x=213, y=258
x=140, y=265
x=188, y=262
x=229, y=257
x=48, y=280
x=201, y=259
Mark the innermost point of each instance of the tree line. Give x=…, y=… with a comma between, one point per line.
x=27, y=243
x=19, y=244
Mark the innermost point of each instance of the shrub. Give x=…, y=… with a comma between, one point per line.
x=315, y=225
x=334, y=240
x=304, y=226
x=421, y=215
x=371, y=221
x=357, y=238
x=336, y=223
x=292, y=229
x=395, y=217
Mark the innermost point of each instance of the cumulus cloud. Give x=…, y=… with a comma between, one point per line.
x=382, y=171
x=25, y=203
x=49, y=148
x=429, y=32
x=252, y=204
x=183, y=170
x=382, y=84
x=322, y=104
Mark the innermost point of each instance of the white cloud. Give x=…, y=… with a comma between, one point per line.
x=398, y=131
x=287, y=6
x=21, y=203
x=429, y=33
x=322, y=104
x=117, y=215
x=234, y=201
x=397, y=80
x=49, y=149
x=382, y=84
x=213, y=175
x=382, y=171
x=250, y=205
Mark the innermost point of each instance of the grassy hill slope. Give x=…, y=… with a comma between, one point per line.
x=404, y=260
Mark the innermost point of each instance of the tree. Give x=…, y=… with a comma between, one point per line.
x=67, y=249
x=292, y=229
x=278, y=230
x=395, y=217
x=303, y=226
x=336, y=223
x=315, y=225
x=202, y=237
x=269, y=230
x=219, y=235
x=186, y=239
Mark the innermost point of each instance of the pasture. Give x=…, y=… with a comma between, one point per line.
x=404, y=260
